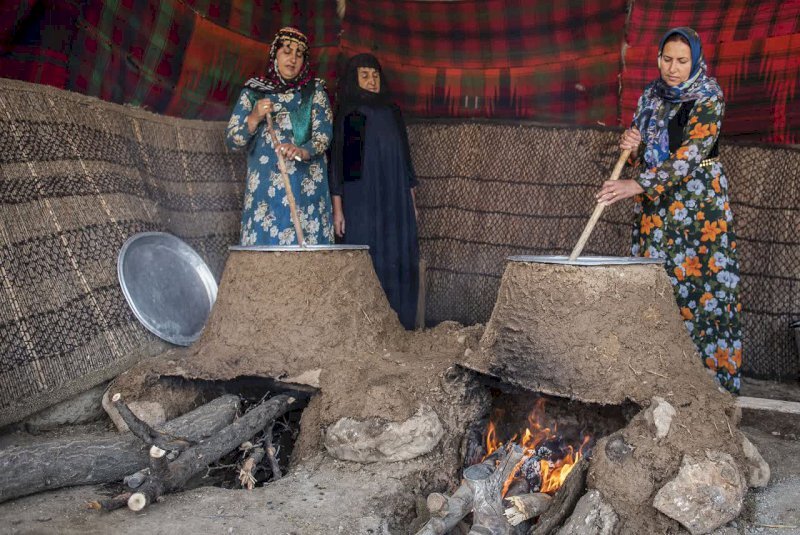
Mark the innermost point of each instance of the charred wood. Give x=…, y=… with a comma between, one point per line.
x=87, y=461
x=147, y=434
x=564, y=500
x=488, y=510
x=272, y=454
x=197, y=458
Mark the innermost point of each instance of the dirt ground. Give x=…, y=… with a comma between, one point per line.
x=337, y=497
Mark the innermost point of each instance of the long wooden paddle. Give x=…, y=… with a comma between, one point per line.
x=587, y=231
x=286, y=184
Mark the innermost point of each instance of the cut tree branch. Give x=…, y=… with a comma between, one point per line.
x=247, y=472
x=147, y=434
x=197, y=458
x=564, y=500
x=272, y=454
x=492, y=473
x=86, y=461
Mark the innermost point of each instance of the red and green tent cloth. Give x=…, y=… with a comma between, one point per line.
x=576, y=62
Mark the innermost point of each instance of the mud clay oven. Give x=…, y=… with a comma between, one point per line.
x=603, y=337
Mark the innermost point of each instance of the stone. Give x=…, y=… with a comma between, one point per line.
x=758, y=472
x=84, y=408
x=659, y=416
x=706, y=494
x=617, y=449
x=592, y=516
x=725, y=530
x=373, y=441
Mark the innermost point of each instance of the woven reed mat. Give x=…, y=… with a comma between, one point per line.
x=488, y=191
x=78, y=176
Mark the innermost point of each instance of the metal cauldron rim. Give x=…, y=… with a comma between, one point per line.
x=297, y=248
x=587, y=260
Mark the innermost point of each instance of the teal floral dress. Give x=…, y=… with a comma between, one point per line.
x=266, y=218
x=684, y=217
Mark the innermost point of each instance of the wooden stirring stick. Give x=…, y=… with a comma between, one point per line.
x=286, y=184
x=587, y=231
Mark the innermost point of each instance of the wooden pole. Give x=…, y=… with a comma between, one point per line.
x=587, y=231
x=286, y=184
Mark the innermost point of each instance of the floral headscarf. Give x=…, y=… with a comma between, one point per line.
x=659, y=99
x=272, y=81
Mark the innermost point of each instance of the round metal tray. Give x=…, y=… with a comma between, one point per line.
x=587, y=260
x=167, y=285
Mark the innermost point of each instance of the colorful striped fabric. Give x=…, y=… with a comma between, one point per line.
x=186, y=58
x=752, y=47
x=547, y=61
x=576, y=62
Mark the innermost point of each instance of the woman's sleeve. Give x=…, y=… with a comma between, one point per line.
x=639, y=158
x=699, y=136
x=401, y=125
x=321, y=122
x=335, y=178
x=237, y=135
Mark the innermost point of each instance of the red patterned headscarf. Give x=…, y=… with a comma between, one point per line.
x=272, y=82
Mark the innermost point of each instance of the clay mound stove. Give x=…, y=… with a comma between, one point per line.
x=600, y=339
x=606, y=331
x=600, y=329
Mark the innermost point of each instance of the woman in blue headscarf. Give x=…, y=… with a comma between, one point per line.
x=681, y=196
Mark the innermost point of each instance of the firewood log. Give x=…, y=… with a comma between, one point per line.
x=198, y=457
x=479, y=479
x=487, y=506
x=147, y=434
x=564, y=500
x=272, y=455
x=66, y=462
x=110, y=504
x=247, y=472
x=527, y=506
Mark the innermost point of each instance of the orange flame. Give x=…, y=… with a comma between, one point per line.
x=554, y=474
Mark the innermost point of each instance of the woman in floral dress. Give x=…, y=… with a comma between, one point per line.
x=682, y=204
x=302, y=120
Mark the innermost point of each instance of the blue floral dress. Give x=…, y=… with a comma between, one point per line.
x=266, y=217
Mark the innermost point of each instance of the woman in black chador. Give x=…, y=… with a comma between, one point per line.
x=372, y=183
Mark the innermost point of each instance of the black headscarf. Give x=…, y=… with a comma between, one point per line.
x=350, y=94
x=348, y=138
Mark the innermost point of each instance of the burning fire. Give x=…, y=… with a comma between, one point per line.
x=545, y=460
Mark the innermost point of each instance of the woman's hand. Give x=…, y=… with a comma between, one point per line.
x=615, y=190
x=338, y=223
x=338, y=215
x=293, y=152
x=260, y=110
x=630, y=140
